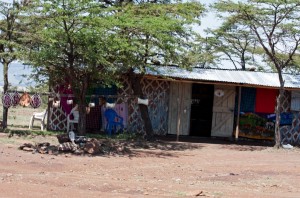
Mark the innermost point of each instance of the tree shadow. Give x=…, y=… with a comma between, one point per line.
x=159, y=147
x=242, y=144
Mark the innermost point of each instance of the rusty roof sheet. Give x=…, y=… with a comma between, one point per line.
x=226, y=76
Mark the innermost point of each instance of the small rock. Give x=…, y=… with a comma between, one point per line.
x=92, y=146
x=28, y=149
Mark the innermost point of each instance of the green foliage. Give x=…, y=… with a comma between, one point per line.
x=9, y=32
x=11, y=44
x=273, y=23
x=234, y=42
x=158, y=33
x=88, y=43
x=201, y=54
x=104, y=41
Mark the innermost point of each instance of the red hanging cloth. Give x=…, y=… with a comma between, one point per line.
x=265, y=100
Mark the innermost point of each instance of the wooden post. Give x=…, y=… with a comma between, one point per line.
x=238, y=115
x=179, y=102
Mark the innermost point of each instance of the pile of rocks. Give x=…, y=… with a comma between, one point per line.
x=90, y=146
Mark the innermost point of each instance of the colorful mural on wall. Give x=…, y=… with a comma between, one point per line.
x=261, y=126
x=257, y=120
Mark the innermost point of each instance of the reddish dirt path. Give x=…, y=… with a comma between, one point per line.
x=211, y=169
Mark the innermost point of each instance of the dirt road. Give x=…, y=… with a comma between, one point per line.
x=170, y=169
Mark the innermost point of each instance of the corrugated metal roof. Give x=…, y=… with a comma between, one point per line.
x=226, y=76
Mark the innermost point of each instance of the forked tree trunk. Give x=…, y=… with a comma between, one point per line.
x=135, y=81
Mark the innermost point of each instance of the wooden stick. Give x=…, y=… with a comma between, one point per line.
x=238, y=115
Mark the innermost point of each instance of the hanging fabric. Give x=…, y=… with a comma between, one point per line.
x=66, y=89
x=36, y=100
x=248, y=96
x=15, y=99
x=265, y=100
x=25, y=100
x=122, y=110
x=7, y=100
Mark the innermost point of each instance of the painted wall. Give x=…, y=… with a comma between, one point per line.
x=157, y=92
x=259, y=125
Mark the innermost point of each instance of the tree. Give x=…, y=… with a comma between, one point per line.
x=72, y=43
x=275, y=24
x=161, y=35
x=10, y=40
x=89, y=42
x=233, y=42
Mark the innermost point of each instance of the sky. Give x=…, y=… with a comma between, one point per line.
x=15, y=74
x=16, y=69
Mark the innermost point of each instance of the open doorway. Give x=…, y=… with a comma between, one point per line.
x=201, y=110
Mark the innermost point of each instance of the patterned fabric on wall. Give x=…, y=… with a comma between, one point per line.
x=135, y=122
x=122, y=110
x=58, y=119
x=134, y=117
x=286, y=102
x=158, y=94
x=125, y=92
x=290, y=134
x=285, y=134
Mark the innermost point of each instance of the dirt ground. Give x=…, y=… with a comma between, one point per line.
x=165, y=168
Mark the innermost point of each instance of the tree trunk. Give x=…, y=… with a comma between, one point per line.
x=278, y=105
x=82, y=118
x=82, y=105
x=5, y=89
x=135, y=81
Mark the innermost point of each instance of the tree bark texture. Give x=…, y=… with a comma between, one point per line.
x=82, y=119
x=80, y=94
x=5, y=89
x=278, y=104
x=82, y=106
x=135, y=81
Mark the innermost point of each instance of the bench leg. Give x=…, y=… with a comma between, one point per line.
x=42, y=125
x=31, y=122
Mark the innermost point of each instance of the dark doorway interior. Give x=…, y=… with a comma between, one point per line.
x=201, y=110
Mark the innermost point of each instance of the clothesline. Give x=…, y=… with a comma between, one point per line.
x=53, y=94
x=14, y=98
x=98, y=96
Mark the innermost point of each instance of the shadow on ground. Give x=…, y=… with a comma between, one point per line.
x=225, y=143
x=142, y=148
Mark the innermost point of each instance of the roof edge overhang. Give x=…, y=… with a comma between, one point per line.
x=174, y=79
